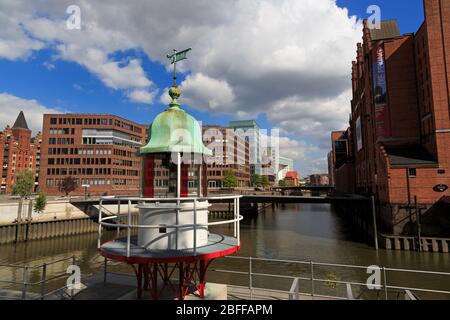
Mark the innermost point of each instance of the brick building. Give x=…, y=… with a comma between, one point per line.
x=292, y=179
x=399, y=135
x=319, y=180
x=230, y=153
x=95, y=150
x=19, y=151
x=341, y=169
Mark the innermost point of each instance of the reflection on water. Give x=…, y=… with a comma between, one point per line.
x=292, y=231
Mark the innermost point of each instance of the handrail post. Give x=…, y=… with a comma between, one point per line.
x=105, y=270
x=250, y=278
x=25, y=283
x=118, y=217
x=238, y=223
x=375, y=229
x=294, y=292
x=74, y=261
x=129, y=229
x=385, y=284
x=100, y=224
x=312, y=278
x=195, y=226
x=234, y=217
x=43, y=279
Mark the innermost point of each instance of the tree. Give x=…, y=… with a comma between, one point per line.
x=229, y=180
x=256, y=180
x=265, y=181
x=41, y=203
x=24, y=184
x=282, y=183
x=67, y=185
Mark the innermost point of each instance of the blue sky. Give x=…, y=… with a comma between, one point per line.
x=58, y=79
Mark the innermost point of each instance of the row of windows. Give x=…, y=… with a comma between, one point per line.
x=78, y=161
x=56, y=151
x=108, y=141
x=78, y=171
x=129, y=173
x=95, y=182
x=62, y=131
x=80, y=182
x=95, y=121
x=165, y=183
x=124, y=153
x=61, y=140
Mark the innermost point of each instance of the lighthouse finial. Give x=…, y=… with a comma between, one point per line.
x=174, y=91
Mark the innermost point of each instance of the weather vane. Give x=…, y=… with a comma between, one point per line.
x=175, y=57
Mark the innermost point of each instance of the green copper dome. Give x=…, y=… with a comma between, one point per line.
x=174, y=130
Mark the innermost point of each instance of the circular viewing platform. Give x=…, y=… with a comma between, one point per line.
x=129, y=249
x=218, y=246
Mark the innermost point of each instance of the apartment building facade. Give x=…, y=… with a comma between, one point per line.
x=230, y=153
x=100, y=152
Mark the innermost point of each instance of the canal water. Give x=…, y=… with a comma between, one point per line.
x=304, y=232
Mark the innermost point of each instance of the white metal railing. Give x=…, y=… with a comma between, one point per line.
x=294, y=291
x=36, y=289
x=128, y=225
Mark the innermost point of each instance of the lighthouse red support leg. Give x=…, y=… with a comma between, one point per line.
x=201, y=289
x=139, y=282
x=155, y=282
x=181, y=281
x=146, y=278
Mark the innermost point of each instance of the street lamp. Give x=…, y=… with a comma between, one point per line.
x=85, y=186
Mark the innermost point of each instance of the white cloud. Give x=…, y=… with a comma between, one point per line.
x=295, y=149
x=289, y=59
x=10, y=107
x=14, y=42
x=92, y=47
x=207, y=93
x=314, y=117
x=142, y=96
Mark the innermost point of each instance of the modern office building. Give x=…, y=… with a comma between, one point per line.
x=19, y=151
x=230, y=153
x=271, y=163
x=399, y=135
x=250, y=131
x=99, y=151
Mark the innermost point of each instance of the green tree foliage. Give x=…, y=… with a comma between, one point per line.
x=40, y=202
x=67, y=185
x=24, y=183
x=282, y=183
x=265, y=181
x=256, y=180
x=230, y=180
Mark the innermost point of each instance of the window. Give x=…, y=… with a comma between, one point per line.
x=412, y=172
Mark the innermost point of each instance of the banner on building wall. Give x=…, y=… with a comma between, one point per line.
x=382, y=117
x=359, y=143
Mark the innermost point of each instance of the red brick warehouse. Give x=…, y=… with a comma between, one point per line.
x=19, y=151
x=399, y=135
